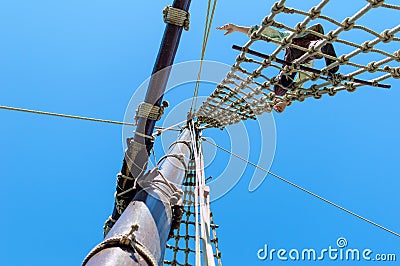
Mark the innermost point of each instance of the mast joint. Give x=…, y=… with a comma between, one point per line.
x=177, y=17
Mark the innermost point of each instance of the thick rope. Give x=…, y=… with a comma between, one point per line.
x=127, y=241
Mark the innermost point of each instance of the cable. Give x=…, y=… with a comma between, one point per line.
x=65, y=115
x=305, y=190
x=207, y=28
x=160, y=130
x=82, y=117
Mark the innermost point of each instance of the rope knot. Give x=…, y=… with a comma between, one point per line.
x=314, y=76
x=220, y=88
x=372, y=67
x=314, y=13
x=331, y=91
x=366, y=47
x=271, y=96
x=128, y=238
x=397, y=55
x=331, y=37
x=256, y=36
x=259, y=89
x=317, y=95
x=120, y=204
x=266, y=63
x=249, y=79
x=313, y=50
x=176, y=198
x=275, y=81
x=395, y=72
x=350, y=87
x=324, y=72
x=386, y=36
x=343, y=60
x=276, y=8
x=347, y=25
x=230, y=75
x=336, y=79
x=300, y=28
x=376, y=3
x=108, y=225
x=267, y=22
x=256, y=73
x=285, y=42
x=288, y=69
x=301, y=98
x=241, y=58
x=313, y=89
x=226, y=81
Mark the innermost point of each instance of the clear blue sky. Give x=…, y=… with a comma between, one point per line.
x=88, y=57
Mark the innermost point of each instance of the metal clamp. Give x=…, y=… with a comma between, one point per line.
x=177, y=17
x=149, y=111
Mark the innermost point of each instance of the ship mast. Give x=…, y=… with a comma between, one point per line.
x=138, y=229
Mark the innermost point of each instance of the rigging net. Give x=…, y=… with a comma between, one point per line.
x=246, y=91
x=184, y=248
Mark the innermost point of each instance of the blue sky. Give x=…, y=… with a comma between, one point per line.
x=88, y=58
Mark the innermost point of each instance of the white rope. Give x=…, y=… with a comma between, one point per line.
x=205, y=213
x=202, y=207
x=196, y=198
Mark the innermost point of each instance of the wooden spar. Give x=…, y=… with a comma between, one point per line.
x=149, y=210
x=150, y=213
x=158, y=81
x=309, y=69
x=157, y=86
x=139, y=147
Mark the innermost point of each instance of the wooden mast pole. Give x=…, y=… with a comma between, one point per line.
x=150, y=214
x=139, y=147
x=140, y=234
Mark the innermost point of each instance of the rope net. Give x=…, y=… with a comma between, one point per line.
x=248, y=88
x=181, y=248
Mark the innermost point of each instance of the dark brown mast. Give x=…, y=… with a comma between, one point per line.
x=143, y=211
x=139, y=147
